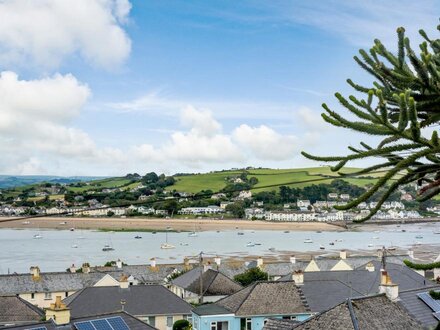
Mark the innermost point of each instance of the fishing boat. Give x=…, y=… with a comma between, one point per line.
x=38, y=236
x=250, y=244
x=108, y=247
x=321, y=247
x=138, y=237
x=166, y=245
x=308, y=240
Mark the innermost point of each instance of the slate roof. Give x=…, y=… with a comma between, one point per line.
x=15, y=309
x=132, y=322
x=366, y=313
x=337, y=286
x=140, y=300
x=214, y=283
x=48, y=282
x=266, y=298
x=416, y=307
x=279, y=324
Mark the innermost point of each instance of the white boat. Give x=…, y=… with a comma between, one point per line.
x=418, y=243
x=38, y=236
x=63, y=223
x=167, y=246
x=192, y=234
x=25, y=222
x=308, y=240
x=375, y=237
x=74, y=246
x=392, y=248
x=437, y=232
x=419, y=237
x=339, y=240
x=250, y=244
x=370, y=245
x=184, y=244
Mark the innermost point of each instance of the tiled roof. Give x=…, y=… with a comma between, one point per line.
x=139, y=300
x=416, y=307
x=279, y=324
x=367, y=313
x=214, y=283
x=266, y=298
x=14, y=309
x=132, y=322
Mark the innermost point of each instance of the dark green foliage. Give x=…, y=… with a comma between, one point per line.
x=250, y=276
x=181, y=325
x=421, y=266
x=435, y=294
x=404, y=100
x=236, y=209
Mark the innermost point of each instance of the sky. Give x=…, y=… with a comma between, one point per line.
x=109, y=87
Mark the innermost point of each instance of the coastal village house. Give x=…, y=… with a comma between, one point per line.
x=154, y=304
x=251, y=307
x=203, y=283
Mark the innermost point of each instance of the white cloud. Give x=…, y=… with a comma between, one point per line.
x=312, y=119
x=265, y=143
x=44, y=32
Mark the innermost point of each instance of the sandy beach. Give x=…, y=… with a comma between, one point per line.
x=162, y=224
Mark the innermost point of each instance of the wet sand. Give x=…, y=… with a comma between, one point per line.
x=163, y=224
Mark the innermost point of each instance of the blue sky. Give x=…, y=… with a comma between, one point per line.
x=116, y=86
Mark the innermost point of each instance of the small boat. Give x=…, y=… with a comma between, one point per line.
x=72, y=229
x=218, y=231
x=418, y=243
x=63, y=223
x=37, y=236
x=321, y=247
x=74, y=246
x=403, y=231
x=272, y=249
x=419, y=237
x=107, y=247
x=392, y=248
x=167, y=246
x=437, y=232
x=331, y=243
x=376, y=237
x=308, y=240
x=250, y=244
x=240, y=233
x=257, y=243
x=153, y=232
x=339, y=240
x=25, y=222
x=192, y=234
x=370, y=245
x=377, y=231
x=286, y=232
x=184, y=244
x=319, y=232
x=138, y=237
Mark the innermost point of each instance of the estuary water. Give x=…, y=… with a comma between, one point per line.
x=56, y=250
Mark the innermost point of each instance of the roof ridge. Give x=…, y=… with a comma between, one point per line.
x=421, y=288
x=76, y=295
x=245, y=297
x=352, y=315
x=31, y=306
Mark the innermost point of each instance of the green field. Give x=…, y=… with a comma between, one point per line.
x=266, y=177
x=105, y=183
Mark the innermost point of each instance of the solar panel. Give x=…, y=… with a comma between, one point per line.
x=118, y=323
x=427, y=299
x=101, y=324
x=86, y=325
x=437, y=315
x=38, y=328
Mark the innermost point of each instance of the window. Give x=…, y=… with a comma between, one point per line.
x=289, y=317
x=220, y=325
x=48, y=295
x=245, y=324
x=169, y=322
x=213, y=325
x=152, y=321
x=188, y=318
x=32, y=295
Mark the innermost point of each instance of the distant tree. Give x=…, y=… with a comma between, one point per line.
x=250, y=276
x=110, y=213
x=150, y=178
x=236, y=209
x=401, y=104
x=253, y=181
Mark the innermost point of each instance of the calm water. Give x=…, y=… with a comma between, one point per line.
x=54, y=252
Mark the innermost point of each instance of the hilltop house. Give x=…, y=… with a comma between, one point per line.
x=153, y=304
x=213, y=285
x=251, y=307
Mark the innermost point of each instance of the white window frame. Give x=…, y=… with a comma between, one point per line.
x=48, y=296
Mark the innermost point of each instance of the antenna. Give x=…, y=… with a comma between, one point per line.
x=384, y=255
x=201, y=277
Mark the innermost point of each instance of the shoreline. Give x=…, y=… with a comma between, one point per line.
x=145, y=224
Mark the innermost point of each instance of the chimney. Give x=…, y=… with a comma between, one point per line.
x=293, y=260
x=411, y=254
x=370, y=267
x=217, y=261
x=153, y=262
x=343, y=254
x=386, y=286
x=186, y=265
x=123, y=282
x=85, y=268
x=58, y=312
x=207, y=266
x=35, y=272
x=260, y=262
x=72, y=268
x=380, y=253
x=298, y=277
x=119, y=264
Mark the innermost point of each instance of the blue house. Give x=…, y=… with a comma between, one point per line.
x=251, y=307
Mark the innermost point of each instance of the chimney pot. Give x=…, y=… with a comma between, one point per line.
x=343, y=254
x=153, y=262
x=370, y=267
x=217, y=260
x=411, y=254
x=293, y=260
x=119, y=264
x=298, y=277
x=260, y=262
